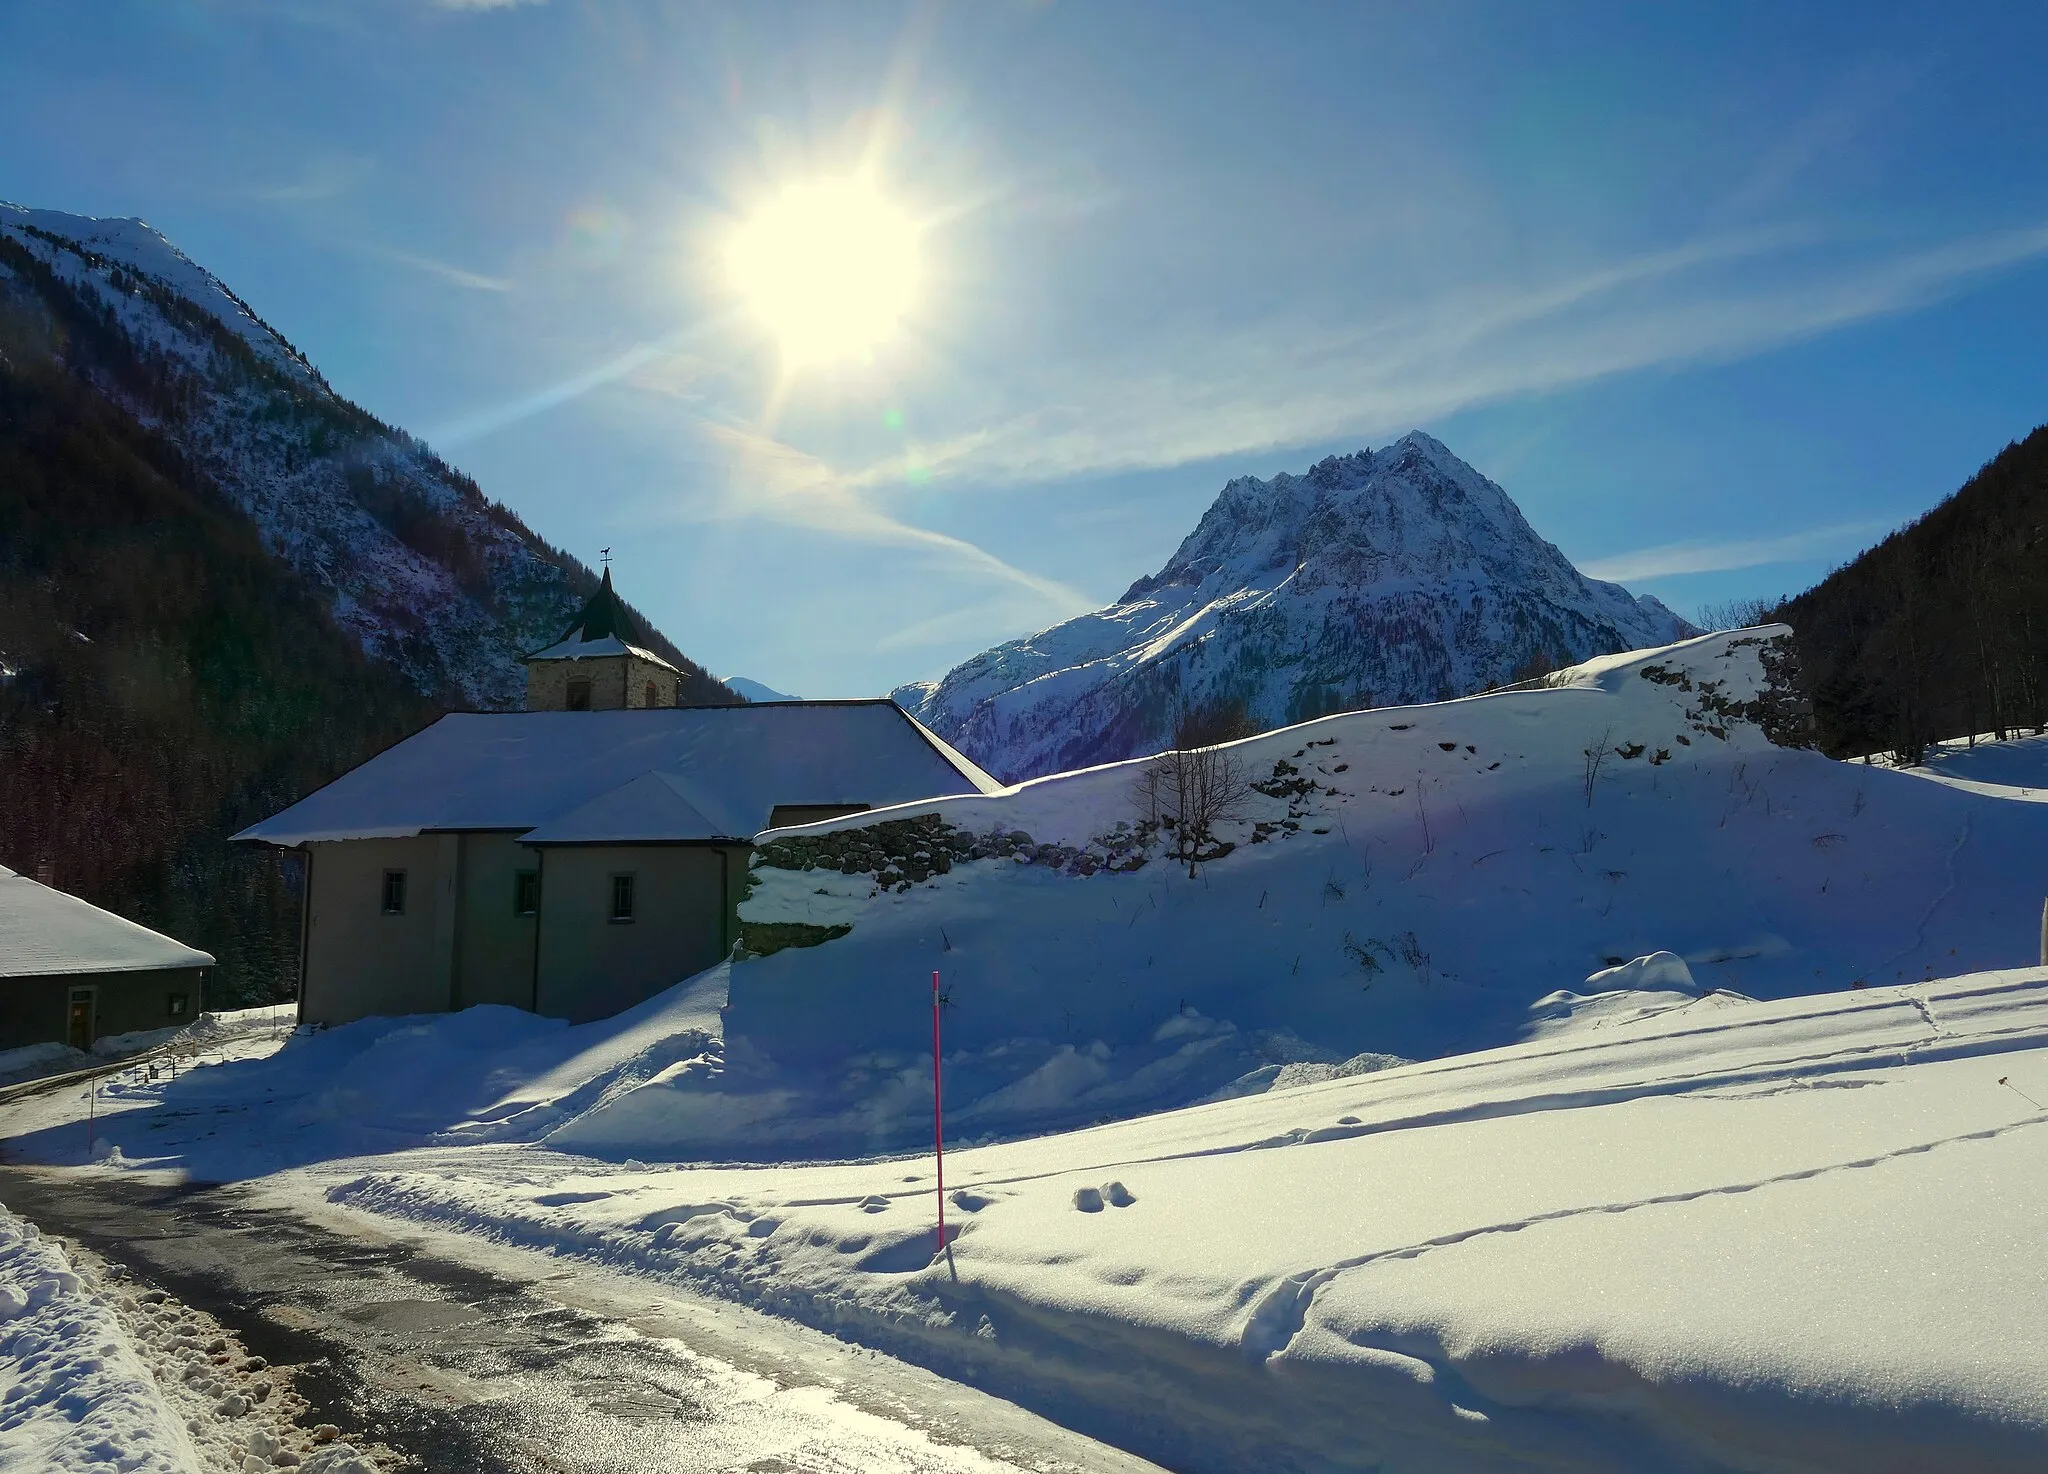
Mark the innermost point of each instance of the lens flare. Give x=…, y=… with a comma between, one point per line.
x=829, y=268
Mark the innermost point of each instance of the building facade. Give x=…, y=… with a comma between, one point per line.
x=71, y=973
x=573, y=863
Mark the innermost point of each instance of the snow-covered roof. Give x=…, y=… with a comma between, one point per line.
x=662, y=774
x=45, y=932
x=591, y=649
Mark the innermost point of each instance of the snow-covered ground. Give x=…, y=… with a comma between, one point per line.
x=1563, y=1078
x=1409, y=882
x=1728, y=1234
x=2016, y=765
x=33, y=1061
x=99, y=1375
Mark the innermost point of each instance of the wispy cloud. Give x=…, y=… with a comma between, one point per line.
x=483, y=422
x=462, y=277
x=327, y=177
x=1280, y=384
x=1673, y=558
x=772, y=480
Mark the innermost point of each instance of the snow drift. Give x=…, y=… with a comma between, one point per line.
x=1404, y=883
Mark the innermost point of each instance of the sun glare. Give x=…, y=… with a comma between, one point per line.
x=828, y=267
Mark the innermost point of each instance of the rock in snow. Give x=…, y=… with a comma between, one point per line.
x=1377, y=579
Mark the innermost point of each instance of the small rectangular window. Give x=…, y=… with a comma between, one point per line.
x=622, y=897
x=526, y=893
x=579, y=696
x=177, y=1005
x=394, y=893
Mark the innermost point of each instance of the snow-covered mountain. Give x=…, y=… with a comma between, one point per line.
x=1380, y=578
x=755, y=691
x=412, y=559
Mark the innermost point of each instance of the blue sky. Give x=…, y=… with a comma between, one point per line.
x=1719, y=293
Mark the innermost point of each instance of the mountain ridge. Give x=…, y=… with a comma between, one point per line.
x=221, y=585
x=418, y=565
x=1373, y=578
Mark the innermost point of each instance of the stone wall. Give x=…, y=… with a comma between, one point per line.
x=615, y=681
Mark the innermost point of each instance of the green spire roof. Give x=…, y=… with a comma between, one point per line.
x=604, y=616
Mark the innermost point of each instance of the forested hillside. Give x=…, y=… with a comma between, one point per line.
x=221, y=586
x=1941, y=630
x=163, y=680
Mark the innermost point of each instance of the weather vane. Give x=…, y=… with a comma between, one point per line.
x=606, y=555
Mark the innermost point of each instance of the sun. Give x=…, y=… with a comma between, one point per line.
x=828, y=267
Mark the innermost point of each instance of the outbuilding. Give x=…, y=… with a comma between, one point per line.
x=71, y=973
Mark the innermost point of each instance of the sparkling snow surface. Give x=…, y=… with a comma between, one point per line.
x=1775, y=1235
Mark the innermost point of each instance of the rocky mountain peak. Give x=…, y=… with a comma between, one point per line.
x=1373, y=578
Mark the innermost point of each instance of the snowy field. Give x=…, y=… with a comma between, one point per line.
x=1367, y=1147
x=2016, y=767
x=1410, y=883
x=1719, y=1235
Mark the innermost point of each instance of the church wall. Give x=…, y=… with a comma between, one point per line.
x=592, y=967
x=360, y=961
x=616, y=681
x=640, y=674
x=494, y=944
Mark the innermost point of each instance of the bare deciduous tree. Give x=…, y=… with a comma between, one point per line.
x=1200, y=783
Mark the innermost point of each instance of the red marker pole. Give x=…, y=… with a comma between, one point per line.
x=938, y=1114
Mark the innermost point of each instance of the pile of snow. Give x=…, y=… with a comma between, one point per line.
x=1398, y=575
x=74, y=1392
x=486, y=1074
x=98, y=1373
x=32, y=1061
x=1799, y=1235
x=207, y=1031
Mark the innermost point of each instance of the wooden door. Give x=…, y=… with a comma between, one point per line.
x=81, y=1018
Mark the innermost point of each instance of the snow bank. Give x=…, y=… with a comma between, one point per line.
x=205, y=1031
x=33, y=1060
x=1402, y=884
x=74, y=1393
x=486, y=1074
x=1795, y=1235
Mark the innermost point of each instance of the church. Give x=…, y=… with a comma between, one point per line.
x=582, y=855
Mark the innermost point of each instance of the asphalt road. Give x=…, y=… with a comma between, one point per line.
x=466, y=1358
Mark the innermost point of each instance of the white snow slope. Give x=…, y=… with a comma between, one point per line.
x=1411, y=883
x=1385, y=577
x=1771, y=1236
x=415, y=563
